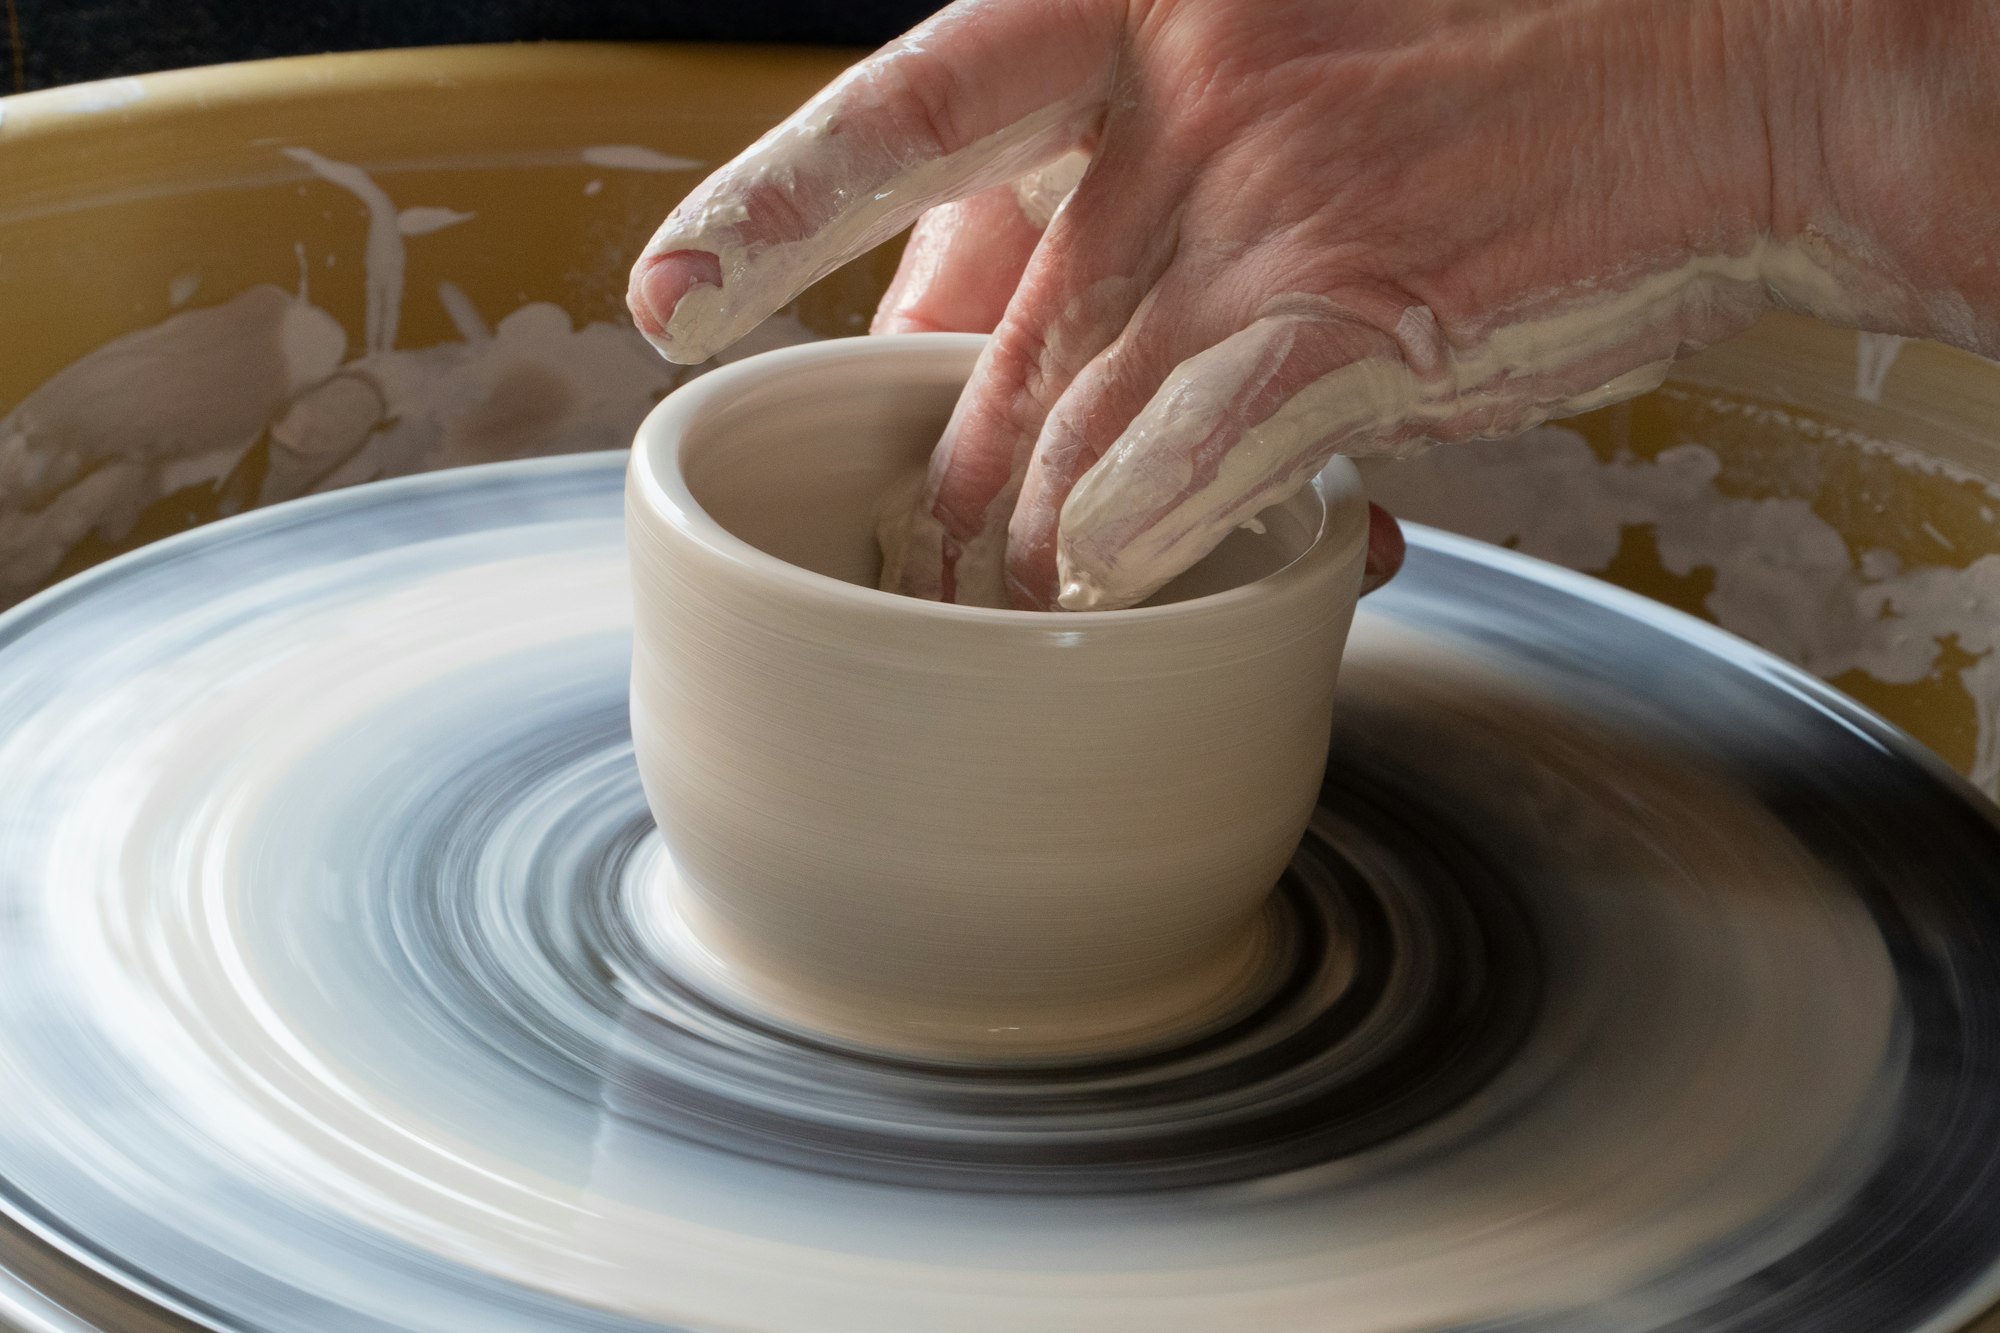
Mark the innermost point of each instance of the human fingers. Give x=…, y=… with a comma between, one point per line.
x=1243, y=424
x=1099, y=256
x=974, y=97
x=1386, y=549
x=964, y=260
x=1033, y=566
x=1200, y=302
x=1125, y=495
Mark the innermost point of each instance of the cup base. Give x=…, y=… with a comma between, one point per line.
x=916, y=1011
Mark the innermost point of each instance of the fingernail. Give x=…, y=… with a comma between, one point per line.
x=660, y=281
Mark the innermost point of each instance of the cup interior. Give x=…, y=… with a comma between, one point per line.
x=800, y=461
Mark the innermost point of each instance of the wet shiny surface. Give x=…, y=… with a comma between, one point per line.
x=1632, y=982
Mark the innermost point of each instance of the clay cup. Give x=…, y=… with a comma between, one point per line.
x=944, y=831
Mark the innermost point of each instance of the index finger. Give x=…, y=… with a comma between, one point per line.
x=973, y=97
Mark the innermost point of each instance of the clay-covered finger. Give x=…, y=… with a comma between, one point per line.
x=1196, y=304
x=1247, y=422
x=1233, y=430
x=1086, y=421
x=1094, y=265
x=1089, y=418
x=973, y=98
x=1244, y=424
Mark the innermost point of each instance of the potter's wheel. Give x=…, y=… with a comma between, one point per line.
x=1635, y=982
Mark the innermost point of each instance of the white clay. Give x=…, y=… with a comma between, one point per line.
x=208, y=383
x=637, y=157
x=1041, y=192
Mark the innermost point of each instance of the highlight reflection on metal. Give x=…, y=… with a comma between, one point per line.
x=1634, y=982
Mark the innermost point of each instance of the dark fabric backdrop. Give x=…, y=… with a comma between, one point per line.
x=47, y=42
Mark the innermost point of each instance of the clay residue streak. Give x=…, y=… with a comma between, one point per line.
x=1785, y=578
x=187, y=404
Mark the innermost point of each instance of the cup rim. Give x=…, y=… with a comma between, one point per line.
x=655, y=481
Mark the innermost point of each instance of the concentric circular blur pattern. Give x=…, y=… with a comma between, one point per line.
x=1631, y=981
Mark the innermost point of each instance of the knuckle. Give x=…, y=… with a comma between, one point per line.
x=919, y=93
x=1020, y=378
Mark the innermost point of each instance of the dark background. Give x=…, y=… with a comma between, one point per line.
x=47, y=42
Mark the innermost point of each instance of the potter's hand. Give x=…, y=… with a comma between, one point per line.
x=1338, y=226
